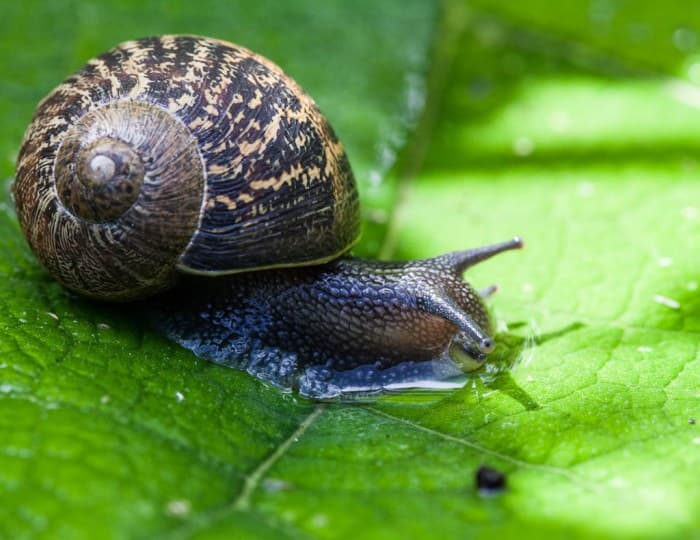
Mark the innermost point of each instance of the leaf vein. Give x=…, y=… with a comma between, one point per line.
x=252, y=480
x=575, y=478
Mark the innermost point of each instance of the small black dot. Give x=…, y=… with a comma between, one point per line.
x=490, y=481
x=691, y=421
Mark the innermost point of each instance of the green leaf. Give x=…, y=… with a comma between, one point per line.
x=538, y=123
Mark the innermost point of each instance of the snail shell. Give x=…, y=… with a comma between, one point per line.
x=180, y=154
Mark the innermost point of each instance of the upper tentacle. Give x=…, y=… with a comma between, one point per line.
x=459, y=261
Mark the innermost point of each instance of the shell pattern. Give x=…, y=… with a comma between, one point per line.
x=180, y=153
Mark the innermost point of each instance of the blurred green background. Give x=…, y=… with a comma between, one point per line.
x=574, y=124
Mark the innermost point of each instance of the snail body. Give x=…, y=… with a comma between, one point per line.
x=187, y=162
x=341, y=327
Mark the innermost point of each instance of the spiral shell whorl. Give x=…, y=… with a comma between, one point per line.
x=99, y=171
x=114, y=230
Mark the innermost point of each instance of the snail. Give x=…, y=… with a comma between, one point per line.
x=188, y=162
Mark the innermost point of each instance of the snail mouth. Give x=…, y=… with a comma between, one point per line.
x=469, y=355
x=101, y=181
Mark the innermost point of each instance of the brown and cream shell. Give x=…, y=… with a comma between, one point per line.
x=180, y=154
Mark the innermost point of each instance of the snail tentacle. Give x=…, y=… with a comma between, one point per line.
x=460, y=261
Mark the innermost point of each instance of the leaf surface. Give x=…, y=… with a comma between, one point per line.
x=537, y=124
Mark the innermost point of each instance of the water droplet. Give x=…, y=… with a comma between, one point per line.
x=585, y=189
x=178, y=508
x=690, y=213
x=666, y=301
x=501, y=326
x=618, y=482
x=415, y=96
x=273, y=485
x=386, y=156
x=6, y=388
x=523, y=146
x=694, y=72
x=319, y=521
x=559, y=121
x=377, y=215
x=685, y=39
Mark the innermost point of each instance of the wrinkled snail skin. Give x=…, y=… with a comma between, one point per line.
x=189, y=162
x=341, y=315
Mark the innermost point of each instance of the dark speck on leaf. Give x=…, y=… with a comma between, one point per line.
x=490, y=481
x=691, y=421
